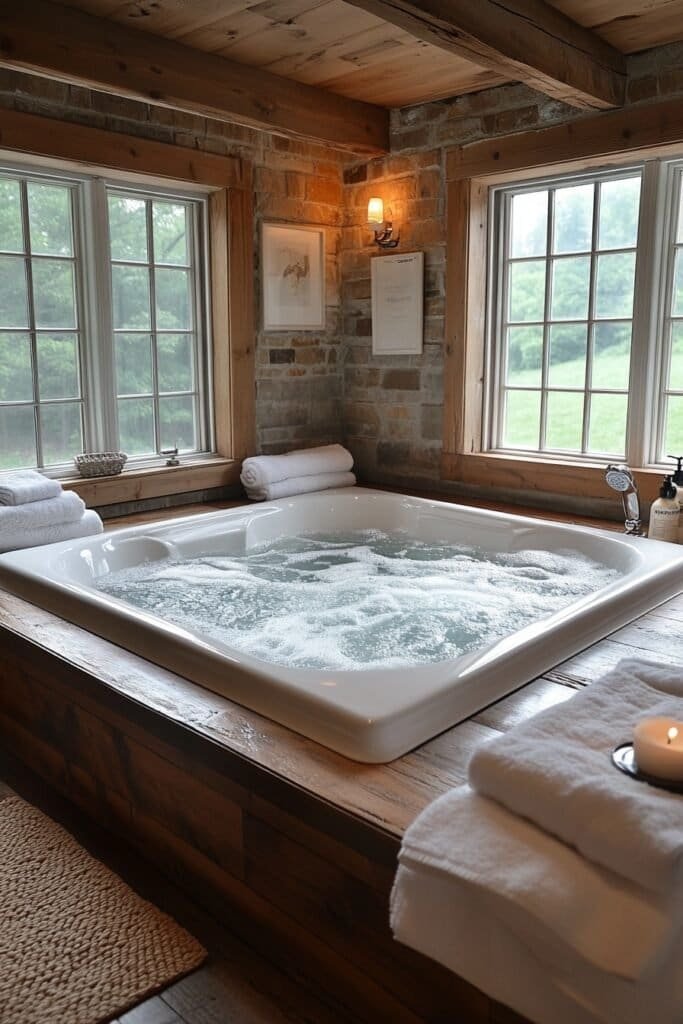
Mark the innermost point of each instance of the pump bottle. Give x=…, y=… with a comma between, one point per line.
x=664, y=514
x=677, y=478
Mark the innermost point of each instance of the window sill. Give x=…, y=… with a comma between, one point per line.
x=156, y=482
x=517, y=473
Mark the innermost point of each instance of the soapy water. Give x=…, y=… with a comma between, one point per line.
x=359, y=599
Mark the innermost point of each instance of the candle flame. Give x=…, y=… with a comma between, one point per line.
x=672, y=734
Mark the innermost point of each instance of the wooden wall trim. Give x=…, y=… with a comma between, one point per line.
x=241, y=312
x=71, y=45
x=652, y=125
x=525, y=40
x=98, y=148
x=157, y=482
x=514, y=474
x=467, y=204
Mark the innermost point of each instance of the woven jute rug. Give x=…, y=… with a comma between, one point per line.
x=77, y=945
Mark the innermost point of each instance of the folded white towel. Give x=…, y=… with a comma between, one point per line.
x=88, y=525
x=66, y=508
x=19, y=486
x=300, y=485
x=444, y=919
x=556, y=771
x=552, y=897
x=260, y=470
x=608, y=946
x=468, y=918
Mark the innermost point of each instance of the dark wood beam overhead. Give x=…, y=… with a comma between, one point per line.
x=72, y=46
x=524, y=39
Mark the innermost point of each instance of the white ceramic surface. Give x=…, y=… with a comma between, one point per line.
x=374, y=715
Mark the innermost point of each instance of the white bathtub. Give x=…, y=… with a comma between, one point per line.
x=374, y=715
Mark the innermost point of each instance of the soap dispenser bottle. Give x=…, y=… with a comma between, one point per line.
x=677, y=478
x=664, y=513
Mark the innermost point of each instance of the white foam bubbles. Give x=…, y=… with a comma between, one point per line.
x=362, y=599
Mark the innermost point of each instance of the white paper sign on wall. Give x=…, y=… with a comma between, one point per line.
x=397, y=303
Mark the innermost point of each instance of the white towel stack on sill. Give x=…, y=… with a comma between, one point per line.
x=269, y=477
x=555, y=884
x=34, y=510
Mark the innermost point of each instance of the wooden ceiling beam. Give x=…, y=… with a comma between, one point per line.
x=526, y=40
x=63, y=43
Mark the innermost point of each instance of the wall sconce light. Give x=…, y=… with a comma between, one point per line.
x=380, y=221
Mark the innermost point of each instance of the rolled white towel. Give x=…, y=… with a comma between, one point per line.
x=260, y=470
x=33, y=515
x=301, y=485
x=22, y=486
x=87, y=526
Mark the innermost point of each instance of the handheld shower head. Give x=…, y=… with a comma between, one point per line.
x=620, y=478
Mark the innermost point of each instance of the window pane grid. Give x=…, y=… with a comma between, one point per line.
x=50, y=248
x=41, y=401
x=157, y=416
x=563, y=285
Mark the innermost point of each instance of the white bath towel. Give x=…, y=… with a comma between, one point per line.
x=260, y=470
x=301, y=485
x=66, y=508
x=608, y=947
x=556, y=770
x=20, y=486
x=88, y=525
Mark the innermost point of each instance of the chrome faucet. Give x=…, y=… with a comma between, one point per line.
x=620, y=478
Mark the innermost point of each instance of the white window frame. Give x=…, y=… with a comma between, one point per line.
x=94, y=304
x=652, y=303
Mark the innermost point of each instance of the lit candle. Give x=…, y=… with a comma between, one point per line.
x=658, y=748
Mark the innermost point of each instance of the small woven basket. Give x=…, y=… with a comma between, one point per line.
x=100, y=463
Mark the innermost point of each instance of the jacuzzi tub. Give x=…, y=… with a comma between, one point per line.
x=373, y=715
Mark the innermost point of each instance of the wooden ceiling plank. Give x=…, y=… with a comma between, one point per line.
x=69, y=45
x=401, y=87
x=234, y=29
x=371, y=46
x=309, y=34
x=526, y=40
x=630, y=25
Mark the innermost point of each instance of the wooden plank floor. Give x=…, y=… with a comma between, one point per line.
x=234, y=986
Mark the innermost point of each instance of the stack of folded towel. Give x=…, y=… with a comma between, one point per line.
x=268, y=477
x=35, y=510
x=554, y=882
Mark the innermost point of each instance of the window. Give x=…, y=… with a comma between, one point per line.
x=103, y=319
x=586, y=316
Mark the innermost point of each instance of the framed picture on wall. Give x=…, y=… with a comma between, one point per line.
x=397, y=283
x=293, y=260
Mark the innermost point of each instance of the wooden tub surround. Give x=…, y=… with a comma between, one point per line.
x=287, y=843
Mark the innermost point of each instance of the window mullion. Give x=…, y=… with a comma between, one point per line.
x=590, y=326
x=102, y=412
x=149, y=218
x=28, y=270
x=547, y=307
x=647, y=315
x=503, y=272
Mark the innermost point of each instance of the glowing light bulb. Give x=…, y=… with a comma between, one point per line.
x=375, y=211
x=672, y=734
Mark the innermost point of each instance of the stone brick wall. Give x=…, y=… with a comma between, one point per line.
x=298, y=376
x=393, y=404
